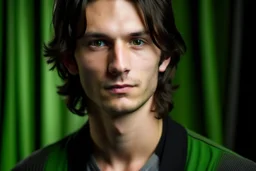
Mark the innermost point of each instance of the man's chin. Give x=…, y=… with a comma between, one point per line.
x=121, y=111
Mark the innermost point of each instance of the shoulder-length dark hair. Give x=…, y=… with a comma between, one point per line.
x=159, y=21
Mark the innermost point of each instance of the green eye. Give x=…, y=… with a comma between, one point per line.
x=97, y=43
x=137, y=42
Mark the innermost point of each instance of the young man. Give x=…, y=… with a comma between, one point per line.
x=117, y=58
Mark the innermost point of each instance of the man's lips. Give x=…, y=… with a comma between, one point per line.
x=119, y=88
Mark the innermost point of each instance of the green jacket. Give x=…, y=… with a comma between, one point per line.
x=179, y=149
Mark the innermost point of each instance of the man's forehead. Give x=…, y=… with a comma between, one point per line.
x=113, y=17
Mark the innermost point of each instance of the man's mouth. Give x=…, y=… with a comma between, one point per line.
x=119, y=88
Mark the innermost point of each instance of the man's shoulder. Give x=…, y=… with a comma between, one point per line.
x=37, y=160
x=204, y=153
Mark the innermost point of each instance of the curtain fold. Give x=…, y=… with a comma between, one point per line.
x=243, y=143
x=33, y=115
x=9, y=133
x=2, y=51
x=184, y=111
x=211, y=84
x=231, y=107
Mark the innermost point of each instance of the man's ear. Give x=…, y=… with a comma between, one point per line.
x=164, y=63
x=70, y=63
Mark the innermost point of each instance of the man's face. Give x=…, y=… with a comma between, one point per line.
x=117, y=62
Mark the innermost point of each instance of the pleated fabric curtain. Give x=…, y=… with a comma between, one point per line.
x=202, y=71
x=242, y=115
x=32, y=115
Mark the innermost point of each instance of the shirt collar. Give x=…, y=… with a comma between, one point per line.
x=171, y=149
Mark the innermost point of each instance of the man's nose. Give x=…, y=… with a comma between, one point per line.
x=119, y=61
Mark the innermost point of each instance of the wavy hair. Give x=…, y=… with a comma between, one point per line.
x=159, y=22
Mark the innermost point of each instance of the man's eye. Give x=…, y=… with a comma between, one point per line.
x=137, y=42
x=97, y=43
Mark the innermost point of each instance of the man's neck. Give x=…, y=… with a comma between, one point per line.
x=126, y=141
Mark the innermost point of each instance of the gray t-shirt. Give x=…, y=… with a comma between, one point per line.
x=151, y=165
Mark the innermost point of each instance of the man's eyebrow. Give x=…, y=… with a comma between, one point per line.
x=139, y=33
x=94, y=35
x=103, y=35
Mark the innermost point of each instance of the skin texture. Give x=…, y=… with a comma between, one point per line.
x=118, y=65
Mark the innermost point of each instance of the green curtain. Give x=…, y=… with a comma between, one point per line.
x=33, y=115
x=201, y=73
